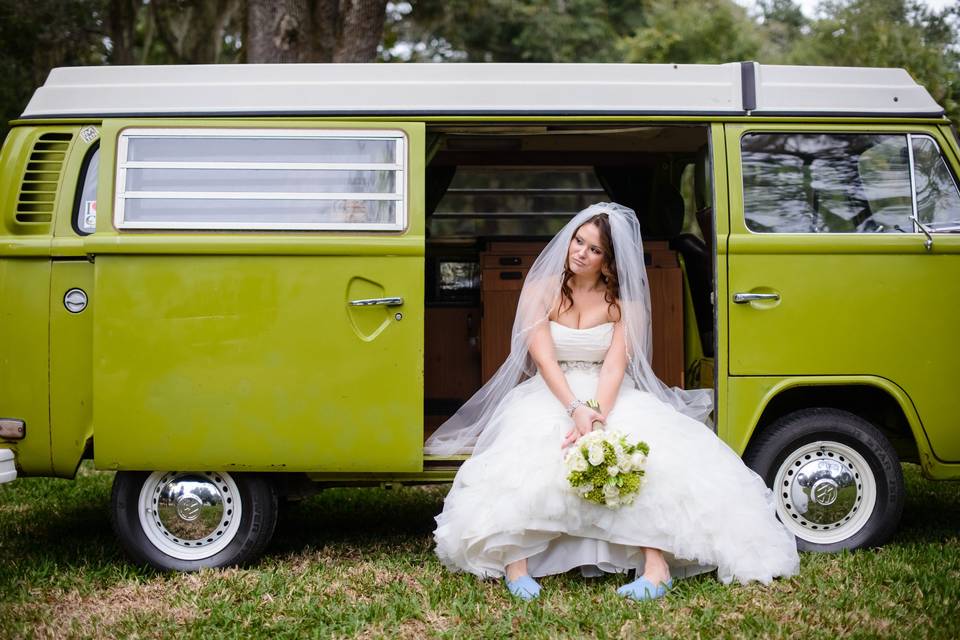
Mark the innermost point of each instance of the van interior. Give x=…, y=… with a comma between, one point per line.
x=496, y=194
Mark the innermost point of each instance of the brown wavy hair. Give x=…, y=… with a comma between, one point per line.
x=608, y=268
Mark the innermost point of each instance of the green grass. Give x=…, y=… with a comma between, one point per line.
x=359, y=562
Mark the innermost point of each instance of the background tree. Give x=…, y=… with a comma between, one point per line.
x=313, y=31
x=192, y=31
x=889, y=33
x=509, y=30
x=709, y=31
x=782, y=25
x=39, y=35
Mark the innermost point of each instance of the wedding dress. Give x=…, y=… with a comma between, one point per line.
x=698, y=503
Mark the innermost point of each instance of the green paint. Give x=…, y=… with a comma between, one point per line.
x=239, y=351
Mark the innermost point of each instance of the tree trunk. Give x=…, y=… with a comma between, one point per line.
x=279, y=31
x=360, y=30
x=122, y=25
x=314, y=30
x=193, y=30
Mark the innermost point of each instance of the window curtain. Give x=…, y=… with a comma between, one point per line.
x=658, y=203
x=437, y=178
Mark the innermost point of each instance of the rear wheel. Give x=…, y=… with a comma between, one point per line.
x=185, y=521
x=836, y=479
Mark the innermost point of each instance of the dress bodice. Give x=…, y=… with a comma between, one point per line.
x=581, y=345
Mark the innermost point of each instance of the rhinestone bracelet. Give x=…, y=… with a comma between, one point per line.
x=573, y=406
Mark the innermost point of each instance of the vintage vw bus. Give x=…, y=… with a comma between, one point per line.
x=234, y=283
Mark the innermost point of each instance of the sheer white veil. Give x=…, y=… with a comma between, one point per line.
x=474, y=426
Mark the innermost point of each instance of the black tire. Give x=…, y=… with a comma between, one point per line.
x=243, y=543
x=789, y=441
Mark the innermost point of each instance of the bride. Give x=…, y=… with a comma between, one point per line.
x=582, y=331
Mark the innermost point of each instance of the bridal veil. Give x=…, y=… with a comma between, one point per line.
x=474, y=425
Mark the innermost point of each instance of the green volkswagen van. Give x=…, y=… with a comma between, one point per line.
x=237, y=284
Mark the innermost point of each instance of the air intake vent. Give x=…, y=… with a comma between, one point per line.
x=38, y=192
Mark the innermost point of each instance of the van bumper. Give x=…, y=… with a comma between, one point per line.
x=8, y=470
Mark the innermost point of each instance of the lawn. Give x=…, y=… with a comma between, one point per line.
x=359, y=563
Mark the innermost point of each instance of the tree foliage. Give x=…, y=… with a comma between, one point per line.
x=39, y=35
x=889, y=33
x=710, y=31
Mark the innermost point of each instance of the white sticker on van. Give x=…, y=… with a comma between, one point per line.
x=90, y=214
x=89, y=134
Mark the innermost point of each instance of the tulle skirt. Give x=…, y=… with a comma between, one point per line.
x=699, y=503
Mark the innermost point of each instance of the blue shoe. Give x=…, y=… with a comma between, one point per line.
x=524, y=587
x=643, y=589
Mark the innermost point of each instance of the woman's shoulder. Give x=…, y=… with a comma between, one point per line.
x=613, y=311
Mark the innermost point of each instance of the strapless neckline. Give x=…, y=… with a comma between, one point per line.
x=596, y=326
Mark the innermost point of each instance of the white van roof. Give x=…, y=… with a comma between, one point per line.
x=737, y=88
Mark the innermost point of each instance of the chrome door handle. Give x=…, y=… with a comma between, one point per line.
x=369, y=302
x=740, y=298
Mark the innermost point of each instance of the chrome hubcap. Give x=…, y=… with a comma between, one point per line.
x=190, y=516
x=825, y=492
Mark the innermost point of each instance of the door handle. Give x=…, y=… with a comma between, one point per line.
x=369, y=302
x=741, y=298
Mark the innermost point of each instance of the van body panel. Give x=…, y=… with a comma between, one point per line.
x=240, y=351
x=850, y=304
x=721, y=215
x=257, y=363
x=748, y=253
x=24, y=326
x=71, y=364
x=751, y=395
x=34, y=161
x=71, y=389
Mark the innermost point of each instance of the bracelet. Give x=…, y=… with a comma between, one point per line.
x=573, y=406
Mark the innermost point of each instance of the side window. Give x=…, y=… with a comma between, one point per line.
x=826, y=183
x=85, y=213
x=938, y=201
x=270, y=179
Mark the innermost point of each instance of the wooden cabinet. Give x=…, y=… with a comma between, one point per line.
x=504, y=266
x=451, y=361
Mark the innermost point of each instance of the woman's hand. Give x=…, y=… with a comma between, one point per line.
x=583, y=419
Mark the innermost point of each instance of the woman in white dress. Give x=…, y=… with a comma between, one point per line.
x=582, y=332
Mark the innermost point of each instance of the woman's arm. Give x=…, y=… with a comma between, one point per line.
x=541, y=349
x=612, y=371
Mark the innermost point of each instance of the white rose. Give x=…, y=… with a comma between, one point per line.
x=610, y=492
x=595, y=453
x=580, y=464
x=637, y=459
x=613, y=470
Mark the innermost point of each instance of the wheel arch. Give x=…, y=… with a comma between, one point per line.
x=877, y=400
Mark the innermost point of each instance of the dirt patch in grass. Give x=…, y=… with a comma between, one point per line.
x=59, y=614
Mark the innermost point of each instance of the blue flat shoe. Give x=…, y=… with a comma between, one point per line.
x=643, y=589
x=524, y=587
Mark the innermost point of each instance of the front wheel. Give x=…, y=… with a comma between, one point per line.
x=836, y=479
x=185, y=521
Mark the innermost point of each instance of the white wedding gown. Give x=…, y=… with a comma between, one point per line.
x=698, y=502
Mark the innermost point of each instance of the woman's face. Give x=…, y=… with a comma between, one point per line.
x=585, y=256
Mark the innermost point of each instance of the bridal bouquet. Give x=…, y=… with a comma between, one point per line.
x=603, y=467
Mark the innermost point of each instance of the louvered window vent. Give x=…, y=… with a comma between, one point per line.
x=38, y=192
